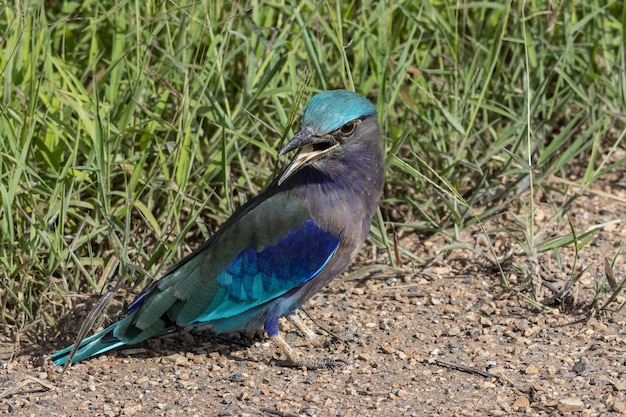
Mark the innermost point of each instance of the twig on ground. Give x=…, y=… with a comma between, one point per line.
x=44, y=386
x=464, y=368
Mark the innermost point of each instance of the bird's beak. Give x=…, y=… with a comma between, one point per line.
x=310, y=147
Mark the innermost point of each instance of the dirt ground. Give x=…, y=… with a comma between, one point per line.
x=445, y=339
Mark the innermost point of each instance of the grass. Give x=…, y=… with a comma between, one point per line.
x=131, y=130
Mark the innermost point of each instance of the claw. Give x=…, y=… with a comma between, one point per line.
x=297, y=361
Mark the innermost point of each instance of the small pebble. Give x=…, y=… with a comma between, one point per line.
x=453, y=331
x=531, y=370
x=569, y=405
x=521, y=401
x=141, y=380
x=130, y=410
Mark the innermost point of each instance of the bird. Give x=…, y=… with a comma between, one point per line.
x=277, y=250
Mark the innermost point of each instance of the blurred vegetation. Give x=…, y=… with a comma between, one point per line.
x=131, y=130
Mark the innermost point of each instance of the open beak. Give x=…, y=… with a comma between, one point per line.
x=310, y=147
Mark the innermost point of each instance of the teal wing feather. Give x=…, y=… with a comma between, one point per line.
x=255, y=277
x=255, y=258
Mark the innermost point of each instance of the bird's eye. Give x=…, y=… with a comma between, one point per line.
x=348, y=128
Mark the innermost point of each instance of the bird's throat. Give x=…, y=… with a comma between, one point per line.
x=306, y=156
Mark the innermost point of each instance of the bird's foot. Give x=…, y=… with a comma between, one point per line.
x=296, y=361
x=351, y=336
x=312, y=364
x=311, y=337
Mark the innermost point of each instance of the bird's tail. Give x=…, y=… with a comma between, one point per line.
x=92, y=346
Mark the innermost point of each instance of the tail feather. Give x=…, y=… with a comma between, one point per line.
x=92, y=346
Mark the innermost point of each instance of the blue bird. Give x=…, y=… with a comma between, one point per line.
x=281, y=247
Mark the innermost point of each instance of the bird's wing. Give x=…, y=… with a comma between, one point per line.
x=265, y=250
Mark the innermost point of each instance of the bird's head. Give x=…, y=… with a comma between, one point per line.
x=333, y=122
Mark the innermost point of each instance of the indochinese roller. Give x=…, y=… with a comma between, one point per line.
x=281, y=247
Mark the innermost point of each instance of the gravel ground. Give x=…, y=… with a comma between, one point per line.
x=441, y=340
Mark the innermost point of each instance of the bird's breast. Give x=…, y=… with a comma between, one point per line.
x=345, y=213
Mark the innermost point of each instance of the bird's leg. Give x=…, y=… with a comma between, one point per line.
x=295, y=360
x=317, y=340
x=306, y=331
x=271, y=328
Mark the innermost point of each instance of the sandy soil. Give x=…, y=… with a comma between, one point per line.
x=443, y=339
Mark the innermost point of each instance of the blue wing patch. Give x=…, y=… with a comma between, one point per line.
x=292, y=261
